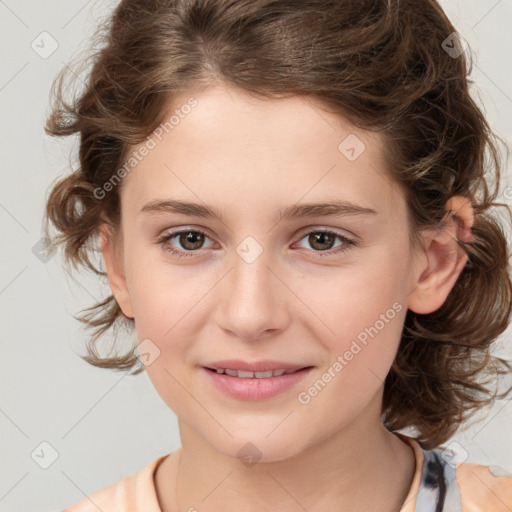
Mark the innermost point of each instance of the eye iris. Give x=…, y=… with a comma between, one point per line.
x=189, y=237
x=320, y=237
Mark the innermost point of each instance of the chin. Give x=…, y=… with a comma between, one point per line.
x=259, y=447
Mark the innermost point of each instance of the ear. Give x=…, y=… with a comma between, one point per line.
x=439, y=264
x=112, y=256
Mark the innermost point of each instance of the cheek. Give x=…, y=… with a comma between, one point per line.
x=368, y=328
x=364, y=309
x=355, y=297
x=168, y=303
x=163, y=303
x=158, y=291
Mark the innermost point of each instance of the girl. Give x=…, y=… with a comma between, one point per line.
x=292, y=211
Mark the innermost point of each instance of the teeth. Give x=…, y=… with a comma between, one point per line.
x=251, y=375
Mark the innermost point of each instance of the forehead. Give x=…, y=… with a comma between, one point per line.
x=225, y=145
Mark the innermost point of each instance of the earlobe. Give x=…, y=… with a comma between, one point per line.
x=442, y=259
x=114, y=267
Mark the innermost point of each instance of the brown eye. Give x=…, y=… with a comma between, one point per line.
x=191, y=240
x=321, y=240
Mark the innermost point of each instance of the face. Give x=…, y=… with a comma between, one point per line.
x=317, y=290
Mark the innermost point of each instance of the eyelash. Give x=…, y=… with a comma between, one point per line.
x=164, y=241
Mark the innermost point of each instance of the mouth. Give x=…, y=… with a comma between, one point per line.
x=257, y=385
x=246, y=374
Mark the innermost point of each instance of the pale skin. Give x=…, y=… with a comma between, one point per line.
x=248, y=158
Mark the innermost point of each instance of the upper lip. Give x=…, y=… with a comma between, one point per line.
x=255, y=366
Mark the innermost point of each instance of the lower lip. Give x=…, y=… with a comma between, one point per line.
x=255, y=389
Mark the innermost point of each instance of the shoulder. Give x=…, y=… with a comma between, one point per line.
x=484, y=487
x=133, y=493
x=463, y=486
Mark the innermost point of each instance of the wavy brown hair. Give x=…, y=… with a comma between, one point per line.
x=382, y=64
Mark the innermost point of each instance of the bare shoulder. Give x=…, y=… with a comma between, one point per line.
x=484, y=487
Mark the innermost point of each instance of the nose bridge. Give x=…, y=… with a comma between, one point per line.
x=251, y=272
x=250, y=302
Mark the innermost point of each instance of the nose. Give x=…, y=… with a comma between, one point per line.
x=253, y=299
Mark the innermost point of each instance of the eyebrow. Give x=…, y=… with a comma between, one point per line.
x=331, y=208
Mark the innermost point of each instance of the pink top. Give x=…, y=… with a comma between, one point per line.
x=438, y=478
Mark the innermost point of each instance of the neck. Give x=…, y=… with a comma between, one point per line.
x=363, y=467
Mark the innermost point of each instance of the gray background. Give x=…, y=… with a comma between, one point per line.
x=104, y=425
